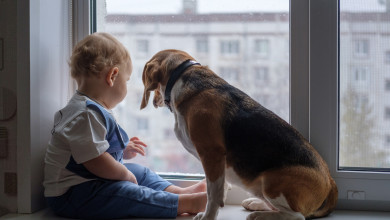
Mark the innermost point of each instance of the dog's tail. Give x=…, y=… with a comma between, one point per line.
x=329, y=203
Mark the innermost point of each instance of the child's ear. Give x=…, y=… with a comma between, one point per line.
x=112, y=75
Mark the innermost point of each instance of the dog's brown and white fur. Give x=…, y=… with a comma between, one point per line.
x=240, y=141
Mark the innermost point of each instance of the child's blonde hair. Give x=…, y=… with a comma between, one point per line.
x=95, y=53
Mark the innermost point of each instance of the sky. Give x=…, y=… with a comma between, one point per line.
x=204, y=6
x=221, y=6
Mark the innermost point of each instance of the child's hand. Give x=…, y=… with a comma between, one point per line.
x=134, y=147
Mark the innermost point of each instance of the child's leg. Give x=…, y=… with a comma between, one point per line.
x=99, y=199
x=196, y=188
x=148, y=178
x=192, y=199
x=121, y=199
x=192, y=203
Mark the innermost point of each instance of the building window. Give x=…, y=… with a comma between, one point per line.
x=261, y=98
x=360, y=74
x=169, y=133
x=142, y=46
x=387, y=140
x=261, y=74
x=261, y=48
x=142, y=124
x=361, y=48
x=230, y=47
x=230, y=74
x=202, y=46
x=210, y=37
x=387, y=57
x=360, y=102
x=387, y=85
x=387, y=113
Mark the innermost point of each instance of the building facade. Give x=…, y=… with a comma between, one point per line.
x=251, y=51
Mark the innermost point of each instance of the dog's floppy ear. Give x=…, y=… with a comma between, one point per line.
x=151, y=77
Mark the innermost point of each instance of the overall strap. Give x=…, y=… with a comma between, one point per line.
x=116, y=136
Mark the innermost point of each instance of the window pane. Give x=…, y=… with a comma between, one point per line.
x=364, y=84
x=245, y=42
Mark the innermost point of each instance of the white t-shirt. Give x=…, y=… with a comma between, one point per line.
x=78, y=132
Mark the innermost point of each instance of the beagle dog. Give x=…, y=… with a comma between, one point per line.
x=240, y=142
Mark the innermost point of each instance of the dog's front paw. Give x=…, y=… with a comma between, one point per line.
x=199, y=216
x=255, y=204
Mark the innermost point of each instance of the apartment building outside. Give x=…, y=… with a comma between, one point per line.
x=251, y=51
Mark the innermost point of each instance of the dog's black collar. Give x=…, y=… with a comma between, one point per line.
x=174, y=77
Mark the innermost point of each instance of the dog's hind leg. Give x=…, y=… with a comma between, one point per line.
x=281, y=211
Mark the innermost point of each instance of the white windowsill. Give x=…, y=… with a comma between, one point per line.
x=229, y=212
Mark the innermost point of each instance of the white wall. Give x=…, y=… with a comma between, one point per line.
x=42, y=79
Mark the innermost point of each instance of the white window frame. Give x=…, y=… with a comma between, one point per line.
x=313, y=111
x=41, y=87
x=323, y=110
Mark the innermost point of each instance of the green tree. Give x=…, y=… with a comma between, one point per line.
x=357, y=148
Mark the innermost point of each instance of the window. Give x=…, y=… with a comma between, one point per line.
x=261, y=48
x=387, y=57
x=230, y=74
x=317, y=102
x=333, y=26
x=39, y=62
x=169, y=133
x=387, y=85
x=360, y=127
x=263, y=99
x=142, y=124
x=387, y=113
x=261, y=74
x=361, y=48
x=208, y=32
x=387, y=140
x=230, y=47
x=142, y=46
x=202, y=46
x=361, y=74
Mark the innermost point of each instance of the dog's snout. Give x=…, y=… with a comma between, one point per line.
x=155, y=103
x=158, y=101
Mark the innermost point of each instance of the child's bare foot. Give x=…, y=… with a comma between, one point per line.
x=192, y=203
x=201, y=186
